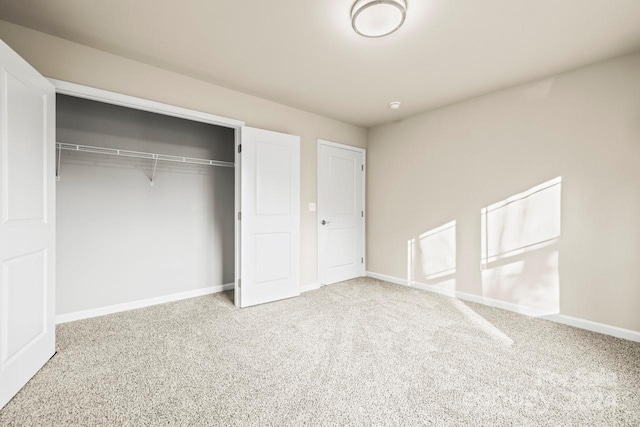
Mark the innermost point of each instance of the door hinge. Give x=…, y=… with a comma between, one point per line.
x=361, y=260
x=362, y=214
x=239, y=282
x=239, y=216
x=239, y=148
x=362, y=168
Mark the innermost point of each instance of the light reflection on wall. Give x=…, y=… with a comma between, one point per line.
x=432, y=256
x=519, y=253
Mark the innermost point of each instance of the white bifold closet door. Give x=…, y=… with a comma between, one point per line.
x=27, y=228
x=270, y=217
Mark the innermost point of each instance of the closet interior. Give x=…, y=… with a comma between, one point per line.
x=145, y=205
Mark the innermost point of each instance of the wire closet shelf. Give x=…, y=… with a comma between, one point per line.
x=138, y=155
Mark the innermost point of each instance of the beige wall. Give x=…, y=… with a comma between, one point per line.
x=446, y=165
x=64, y=60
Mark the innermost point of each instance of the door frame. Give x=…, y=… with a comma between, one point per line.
x=363, y=151
x=107, y=97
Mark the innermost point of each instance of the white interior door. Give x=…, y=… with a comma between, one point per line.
x=27, y=229
x=340, y=212
x=270, y=217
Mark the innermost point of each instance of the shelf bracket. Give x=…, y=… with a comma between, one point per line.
x=59, y=153
x=155, y=163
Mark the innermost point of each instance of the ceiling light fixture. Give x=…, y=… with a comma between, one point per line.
x=394, y=105
x=377, y=18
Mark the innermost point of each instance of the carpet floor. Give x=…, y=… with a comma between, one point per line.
x=362, y=352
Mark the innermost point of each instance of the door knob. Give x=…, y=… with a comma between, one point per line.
x=325, y=222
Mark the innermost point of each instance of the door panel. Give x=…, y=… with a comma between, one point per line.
x=24, y=287
x=273, y=179
x=345, y=254
x=342, y=178
x=27, y=230
x=24, y=161
x=268, y=267
x=340, y=206
x=270, y=224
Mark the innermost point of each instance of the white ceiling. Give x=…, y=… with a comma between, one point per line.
x=304, y=53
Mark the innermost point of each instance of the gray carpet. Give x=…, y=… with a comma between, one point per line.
x=362, y=352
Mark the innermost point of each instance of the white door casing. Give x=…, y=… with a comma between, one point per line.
x=341, y=216
x=270, y=217
x=27, y=227
x=100, y=95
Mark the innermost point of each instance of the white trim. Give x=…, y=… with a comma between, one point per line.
x=555, y=317
x=342, y=146
x=236, y=221
x=117, y=308
x=528, y=311
x=363, y=151
x=491, y=302
x=80, y=91
x=602, y=328
x=386, y=278
x=309, y=287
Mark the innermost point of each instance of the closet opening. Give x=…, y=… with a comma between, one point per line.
x=146, y=207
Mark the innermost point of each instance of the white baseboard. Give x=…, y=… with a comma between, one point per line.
x=309, y=287
x=554, y=317
x=386, y=278
x=602, y=328
x=462, y=295
x=116, y=308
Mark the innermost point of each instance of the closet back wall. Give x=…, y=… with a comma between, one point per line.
x=119, y=239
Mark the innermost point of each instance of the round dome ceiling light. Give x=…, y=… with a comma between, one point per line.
x=377, y=18
x=394, y=105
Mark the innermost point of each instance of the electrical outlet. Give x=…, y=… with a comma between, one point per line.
x=312, y=207
x=448, y=261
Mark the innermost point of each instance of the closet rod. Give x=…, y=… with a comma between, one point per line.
x=141, y=155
